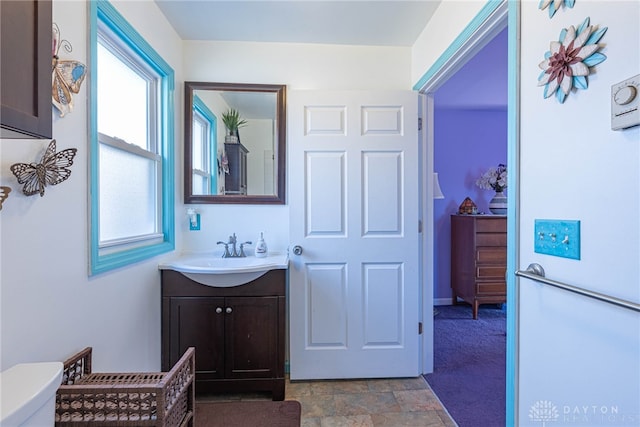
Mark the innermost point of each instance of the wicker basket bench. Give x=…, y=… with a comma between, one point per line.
x=126, y=399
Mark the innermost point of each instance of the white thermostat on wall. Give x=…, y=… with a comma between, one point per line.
x=625, y=103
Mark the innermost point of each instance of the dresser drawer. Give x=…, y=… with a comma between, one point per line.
x=490, y=272
x=478, y=259
x=491, y=255
x=491, y=225
x=491, y=288
x=491, y=239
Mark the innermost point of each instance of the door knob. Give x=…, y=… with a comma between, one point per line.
x=229, y=310
x=219, y=310
x=297, y=250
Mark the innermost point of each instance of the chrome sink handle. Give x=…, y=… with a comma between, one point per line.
x=241, y=254
x=226, y=253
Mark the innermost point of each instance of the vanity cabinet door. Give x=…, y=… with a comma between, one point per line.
x=199, y=322
x=238, y=332
x=234, y=337
x=251, y=337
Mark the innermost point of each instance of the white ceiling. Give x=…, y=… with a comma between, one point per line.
x=481, y=83
x=359, y=22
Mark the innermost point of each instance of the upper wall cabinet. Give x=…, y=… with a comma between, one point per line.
x=25, y=67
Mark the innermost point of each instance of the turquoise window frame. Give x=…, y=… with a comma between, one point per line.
x=200, y=107
x=101, y=11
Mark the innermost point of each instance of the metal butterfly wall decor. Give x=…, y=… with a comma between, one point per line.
x=67, y=76
x=4, y=193
x=52, y=170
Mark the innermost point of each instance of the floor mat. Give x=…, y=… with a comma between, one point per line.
x=259, y=413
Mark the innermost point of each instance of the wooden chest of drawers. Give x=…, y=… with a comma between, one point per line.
x=478, y=259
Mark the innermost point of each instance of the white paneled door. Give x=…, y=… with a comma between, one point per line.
x=353, y=186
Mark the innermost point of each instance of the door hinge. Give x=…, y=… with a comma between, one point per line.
x=419, y=328
x=419, y=226
x=419, y=123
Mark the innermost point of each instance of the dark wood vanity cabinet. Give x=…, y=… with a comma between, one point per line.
x=478, y=259
x=238, y=332
x=235, y=182
x=25, y=68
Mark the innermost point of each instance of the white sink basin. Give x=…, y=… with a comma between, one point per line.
x=224, y=272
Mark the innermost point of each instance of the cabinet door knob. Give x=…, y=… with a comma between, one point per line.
x=219, y=310
x=229, y=310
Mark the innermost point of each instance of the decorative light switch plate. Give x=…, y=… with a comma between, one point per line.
x=557, y=237
x=195, y=225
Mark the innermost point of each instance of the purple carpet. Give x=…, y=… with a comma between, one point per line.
x=469, y=364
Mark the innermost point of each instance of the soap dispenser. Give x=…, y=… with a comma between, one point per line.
x=261, y=247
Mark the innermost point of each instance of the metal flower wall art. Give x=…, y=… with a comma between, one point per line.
x=52, y=170
x=554, y=5
x=567, y=64
x=67, y=77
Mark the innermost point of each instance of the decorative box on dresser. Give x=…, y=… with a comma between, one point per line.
x=478, y=259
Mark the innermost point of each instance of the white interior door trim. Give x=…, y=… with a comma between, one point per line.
x=427, y=246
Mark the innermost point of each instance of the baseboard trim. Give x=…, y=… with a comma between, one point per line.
x=442, y=301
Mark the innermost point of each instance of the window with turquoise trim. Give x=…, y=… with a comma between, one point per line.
x=132, y=202
x=205, y=149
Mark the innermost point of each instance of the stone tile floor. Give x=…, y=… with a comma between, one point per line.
x=363, y=403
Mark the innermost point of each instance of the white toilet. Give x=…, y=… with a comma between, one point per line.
x=28, y=394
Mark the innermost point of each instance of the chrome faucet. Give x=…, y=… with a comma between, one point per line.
x=234, y=253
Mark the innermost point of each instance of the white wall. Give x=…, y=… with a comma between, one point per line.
x=576, y=352
x=572, y=351
x=299, y=66
x=448, y=21
x=50, y=307
x=580, y=355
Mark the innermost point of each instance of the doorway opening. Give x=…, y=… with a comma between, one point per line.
x=442, y=96
x=470, y=138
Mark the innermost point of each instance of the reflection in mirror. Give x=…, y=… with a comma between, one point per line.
x=223, y=166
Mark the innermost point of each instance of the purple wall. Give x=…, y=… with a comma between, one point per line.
x=467, y=143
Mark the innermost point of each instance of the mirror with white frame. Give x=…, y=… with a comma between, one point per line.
x=249, y=168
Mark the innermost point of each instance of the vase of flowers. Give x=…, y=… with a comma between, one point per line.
x=495, y=179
